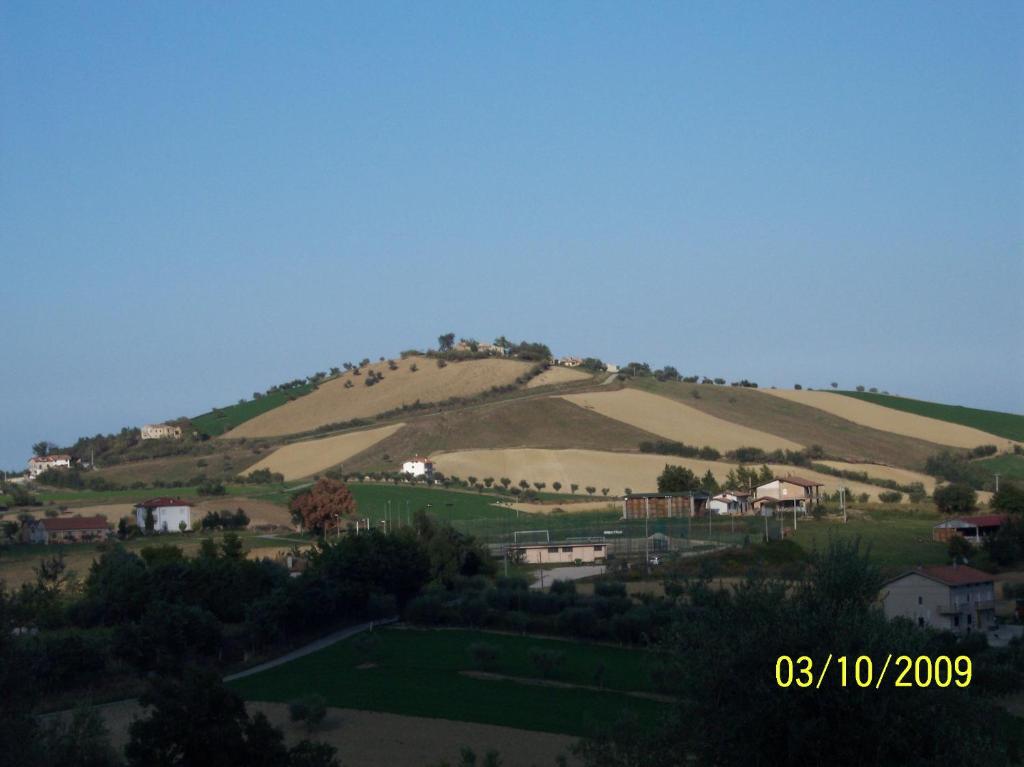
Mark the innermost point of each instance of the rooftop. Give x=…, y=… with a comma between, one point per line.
x=154, y=503
x=950, y=575
x=64, y=524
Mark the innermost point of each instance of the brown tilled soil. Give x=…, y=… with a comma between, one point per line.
x=333, y=403
x=677, y=421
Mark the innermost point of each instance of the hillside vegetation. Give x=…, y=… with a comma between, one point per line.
x=414, y=380
x=1008, y=425
x=220, y=420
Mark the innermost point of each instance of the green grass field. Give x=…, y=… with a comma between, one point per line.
x=224, y=419
x=70, y=497
x=1007, y=466
x=898, y=539
x=417, y=673
x=1009, y=425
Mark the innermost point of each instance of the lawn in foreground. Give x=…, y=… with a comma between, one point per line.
x=1009, y=425
x=417, y=673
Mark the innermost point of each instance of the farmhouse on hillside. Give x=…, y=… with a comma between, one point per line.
x=161, y=431
x=37, y=464
x=730, y=502
x=167, y=514
x=953, y=598
x=66, y=529
x=570, y=362
x=418, y=466
x=974, y=529
x=787, y=493
x=660, y=505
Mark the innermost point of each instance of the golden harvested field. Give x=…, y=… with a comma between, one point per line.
x=333, y=403
x=370, y=738
x=676, y=421
x=259, y=512
x=887, y=419
x=311, y=456
x=616, y=471
x=557, y=375
x=903, y=476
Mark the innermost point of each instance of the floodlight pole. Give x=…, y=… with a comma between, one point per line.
x=997, y=483
x=647, y=539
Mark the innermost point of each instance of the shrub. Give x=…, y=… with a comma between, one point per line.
x=311, y=709
x=547, y=662
x=483, y=655
x=890, y=496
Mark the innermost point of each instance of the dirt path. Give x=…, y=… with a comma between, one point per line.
x=566, y=685
x=312, y=647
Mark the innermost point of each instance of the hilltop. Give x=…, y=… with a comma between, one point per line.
x=492, y=411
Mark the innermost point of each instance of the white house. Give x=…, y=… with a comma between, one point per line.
x=730, y=502
x=168, y=514
x=418, y=466
x=37, y=464
x=570, y=362
x=161, y=431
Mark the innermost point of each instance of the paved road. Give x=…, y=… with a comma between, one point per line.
x=312, y=647
x=611, y=377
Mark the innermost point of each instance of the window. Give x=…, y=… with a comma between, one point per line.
x=970, y=619
x=956, y=620
x=920, y=600
x=599, y=548
x=920, y=621
x=567, y=549
x=553, y=550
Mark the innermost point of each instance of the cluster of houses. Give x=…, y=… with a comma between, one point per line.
x=168, y=515
x=781, y=495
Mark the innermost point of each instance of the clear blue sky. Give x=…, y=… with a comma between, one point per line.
x=202, y=199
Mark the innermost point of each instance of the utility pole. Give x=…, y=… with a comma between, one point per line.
x=842, y=501
x=647, y=540
x=997, y=483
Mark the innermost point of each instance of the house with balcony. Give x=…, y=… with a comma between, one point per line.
x=953, y=598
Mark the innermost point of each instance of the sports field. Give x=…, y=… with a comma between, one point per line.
x=432, y=674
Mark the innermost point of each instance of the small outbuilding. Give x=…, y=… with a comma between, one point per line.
x=974, y=529
x=665, y=505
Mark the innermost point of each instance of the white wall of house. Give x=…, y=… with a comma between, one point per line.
x=166, y=519
x=418, y=468
x=37, y=466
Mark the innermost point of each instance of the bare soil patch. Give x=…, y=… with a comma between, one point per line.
x=616, y=471
x=302, y=459
x=369, y=738
x=557, y=375
x=676, y=421
x=887, y=419
x=332, y=402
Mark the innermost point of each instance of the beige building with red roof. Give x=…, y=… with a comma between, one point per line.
x=953, y=598
x=66, y=529
x=37, y=464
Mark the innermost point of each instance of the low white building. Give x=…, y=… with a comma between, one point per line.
x=570, y=362
x=168, y=514
x=730, y=503
x=37, y=464
x=161, y=431
x=418, y=466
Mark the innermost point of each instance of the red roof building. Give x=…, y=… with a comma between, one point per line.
x=67, y=529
